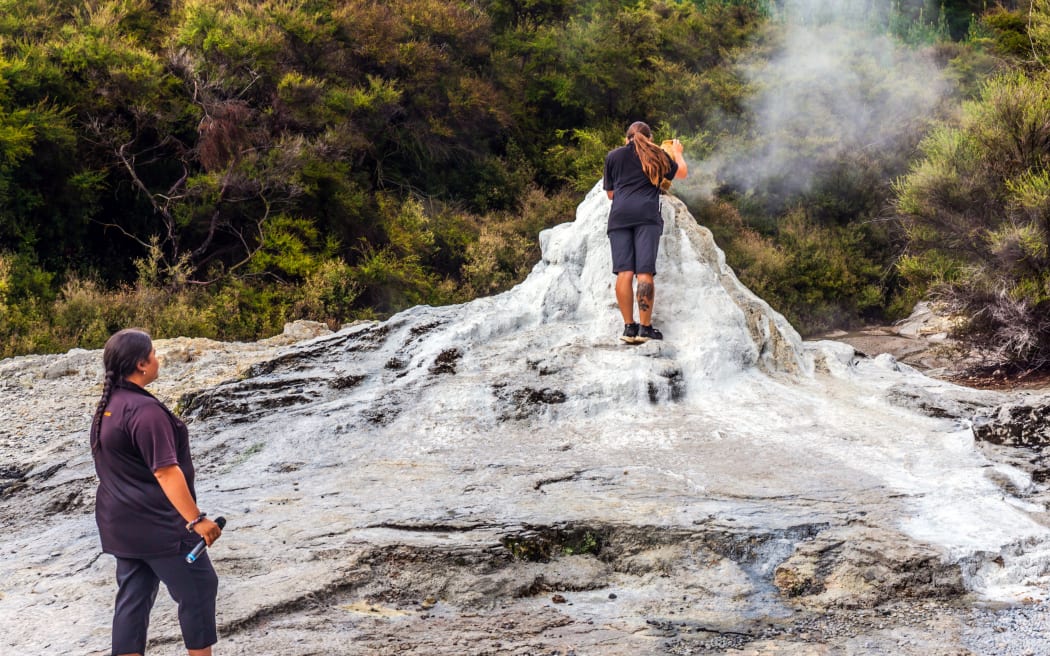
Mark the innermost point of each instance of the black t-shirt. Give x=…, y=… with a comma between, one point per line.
x=138, y=436
x=636, y=200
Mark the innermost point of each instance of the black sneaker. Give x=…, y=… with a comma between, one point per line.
x=645, y=333
x=630, y=333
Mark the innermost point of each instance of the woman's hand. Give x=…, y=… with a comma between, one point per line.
x=677, y=146
x=208, y=530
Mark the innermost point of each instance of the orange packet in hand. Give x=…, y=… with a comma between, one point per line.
x=668, y=147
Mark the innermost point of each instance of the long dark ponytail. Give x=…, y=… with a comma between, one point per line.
x=123, y=352
x=654, y=160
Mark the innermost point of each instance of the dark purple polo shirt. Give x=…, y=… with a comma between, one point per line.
x=636, y=200
x=138, y=436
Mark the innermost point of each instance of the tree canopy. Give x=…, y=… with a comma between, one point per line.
x=232, y=164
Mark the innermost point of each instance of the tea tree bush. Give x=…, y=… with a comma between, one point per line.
x=977, y=214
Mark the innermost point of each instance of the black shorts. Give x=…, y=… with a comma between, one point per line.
x=635, y=248
x=192, y=586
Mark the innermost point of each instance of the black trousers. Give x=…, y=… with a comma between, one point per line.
x=192, y=586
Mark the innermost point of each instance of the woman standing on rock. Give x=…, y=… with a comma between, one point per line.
x=634, y=174
x=146, y=507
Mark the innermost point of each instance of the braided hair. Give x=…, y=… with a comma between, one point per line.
x=123, y=352
x=655, y=164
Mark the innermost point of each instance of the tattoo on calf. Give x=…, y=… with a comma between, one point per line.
x=645, y=296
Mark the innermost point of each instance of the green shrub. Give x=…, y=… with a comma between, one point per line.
x=497, y=260
x=185, y=313
x=390, y=281
x=25, y=296
x=977, y=212
x=580, y=158
x=328, y=294
x=81, y=314
x=1005, y=32
x=245, y=310
x=820, y=277
x=85, y=315
x=508, y=244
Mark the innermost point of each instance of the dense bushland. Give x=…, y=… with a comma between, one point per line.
x=219, y=167
x=241, y=163
x=978, y=218
x=976, y=204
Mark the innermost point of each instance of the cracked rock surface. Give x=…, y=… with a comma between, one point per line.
x=505, y=477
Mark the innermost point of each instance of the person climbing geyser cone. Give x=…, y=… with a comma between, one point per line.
x=634, y=174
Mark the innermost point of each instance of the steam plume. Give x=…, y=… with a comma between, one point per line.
x=835, y=86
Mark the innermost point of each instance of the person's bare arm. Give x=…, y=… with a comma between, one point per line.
x=173, y=482
x=610, y=194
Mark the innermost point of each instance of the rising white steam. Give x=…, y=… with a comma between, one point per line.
x=835, y=88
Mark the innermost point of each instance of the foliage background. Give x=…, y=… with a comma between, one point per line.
x=219, y=167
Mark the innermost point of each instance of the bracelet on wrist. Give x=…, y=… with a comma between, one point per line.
x=189, y=526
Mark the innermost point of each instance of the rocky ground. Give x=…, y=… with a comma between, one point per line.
x=592, y=590
x=923, y=341
x=473, y=480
